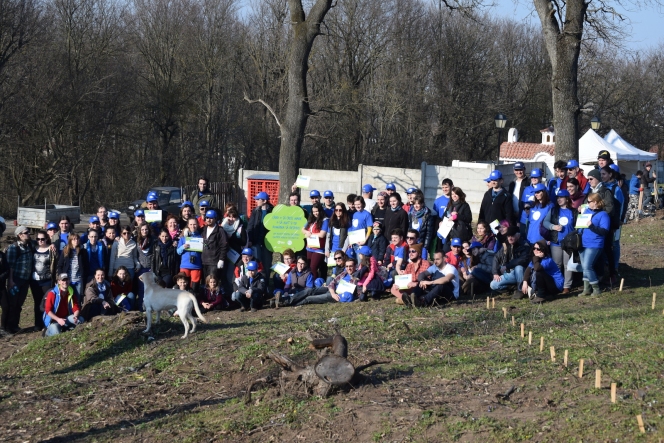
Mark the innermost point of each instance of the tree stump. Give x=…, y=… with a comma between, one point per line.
x=329, y=372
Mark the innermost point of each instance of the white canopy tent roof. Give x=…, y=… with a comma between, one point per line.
x=616, y=140
x=591, y=143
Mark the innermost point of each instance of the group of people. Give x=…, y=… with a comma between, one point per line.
x=358, y=250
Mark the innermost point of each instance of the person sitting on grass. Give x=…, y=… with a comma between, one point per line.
x=61, y=310
x=484, y=235
x=438, y=284
x=378, y=243
x=122, y=289
x=211, y=297
x=98, y=298
x=478, y=273
x=329, y=294
x=509, y=263
x=298, y=280
x=252, y=288
x=339, y=259
x=542, y=277
x=369, y=284
x=415, y=267
x=455, y=256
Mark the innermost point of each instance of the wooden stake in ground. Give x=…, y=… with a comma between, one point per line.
x=504, y=312
x=541, y=344
x=613, y=392
x=493, y=303
x=622, y=281
x=639, y=420
x=530, y=337
x=514, y=323
x=565, y=357
x=581, y=368
x=598, y=378
x=553, y=353
x=523, y=330
x=654, y=297
x=487, y=303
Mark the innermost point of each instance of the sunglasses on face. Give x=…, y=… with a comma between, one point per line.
x=125, y=233
x=536, y=249
x=412, y=251
x=41, y=239
x=411, y=238
x=338, y=210
x=338, y=258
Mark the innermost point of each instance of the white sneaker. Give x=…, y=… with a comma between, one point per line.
x=530, y=293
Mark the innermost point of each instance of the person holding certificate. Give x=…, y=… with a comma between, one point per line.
x=315, y=233
x=189, y=248
x=337, y=233
x=341, y=289
x=361, y=222
x=592, y=241
x=416, y=266
x=422, y=220
x=237, y=240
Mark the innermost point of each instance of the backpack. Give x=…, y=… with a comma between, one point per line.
x=572, y=242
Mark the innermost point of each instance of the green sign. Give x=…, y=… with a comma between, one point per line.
x=285, y=225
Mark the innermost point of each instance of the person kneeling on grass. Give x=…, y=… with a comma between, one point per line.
x=61, y=310
x=211, y=297
x=252, y=288
x=439, y=283
x=542, y=278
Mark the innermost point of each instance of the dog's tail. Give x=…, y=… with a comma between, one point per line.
x=196, y=308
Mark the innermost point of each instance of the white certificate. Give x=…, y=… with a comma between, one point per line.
x=583, y=221
x=195, y=244
x=302, y=181
x=445, y=227
x=354, y=237
x=494, y=225
x=153, y=216
x=313, y=242
x=232, y=255
x=402, y=280
x=280, y=268
x=344, y=286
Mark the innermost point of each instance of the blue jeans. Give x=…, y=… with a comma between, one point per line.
x=588, y=256
x=512, y=278
x=54, y=328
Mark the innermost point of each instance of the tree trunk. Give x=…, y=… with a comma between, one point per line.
x=563, y=46
x=297, y=109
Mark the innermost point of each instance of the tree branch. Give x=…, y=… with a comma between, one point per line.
x=269, y=108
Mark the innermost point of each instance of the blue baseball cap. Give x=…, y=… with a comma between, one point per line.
x=365, y=250
x=248, y=251
x=495, y=175
x=390, y=187
x=345, y=297
x=51, y=226
x=411, y=190
x=314, y=193
x=203, y=204
x=475, y=244
x=252, y=266
x=457, y=242
x=211, y=214
x=94, y=219
x=615, y=167
x=536, y=173
x=519, y=166
x=319, y=282
x=368, y=188
x=572, y=164
x=328, y=194
x=114, y=215
x=152, y=197
x=562, y=193
x=187, y=203
x=139, y=213
x=262, y=196
x=539, y=187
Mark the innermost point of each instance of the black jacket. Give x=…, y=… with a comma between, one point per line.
x=427, y=227
x=462, y=228
x=378, y=246
x=172, y=264
x=256, y=229
x=64, y=263
x=499, y=209
x=215, y=246
x=238, y=240
x=511, y=256
x=395, y=219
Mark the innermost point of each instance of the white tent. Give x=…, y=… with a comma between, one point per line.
x=590, y=145
x=638, y=155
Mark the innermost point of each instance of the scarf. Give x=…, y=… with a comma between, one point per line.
x=398, y=208
x=230, y=228
x=163, y=251
x=419, y=214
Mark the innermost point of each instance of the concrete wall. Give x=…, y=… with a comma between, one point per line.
x=469, y=178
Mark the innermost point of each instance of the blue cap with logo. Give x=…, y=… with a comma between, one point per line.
x=328, y=194
x=139, y=213
x=365, y=250
x=262, y=196
x=51, y=225
x=539, y=187
x=368, y=188
x=211, y=214
x=203, y=204
x=536, y=173
x=572, y=164
x=187, y=203
x=475, y=244
x=345, y=297
x=152, y=197
x=114, y=215
x=319, y=282
x=411, y=191
x=390, y=187
x=248, y=251
x=314, y=193
x=457, y=242
x=494, y=176
x=94, y=219
x=519, y=166
x=562, y=193
x=615, y=167
x=252, y=266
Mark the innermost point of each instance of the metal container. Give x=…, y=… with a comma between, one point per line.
x=37, y=217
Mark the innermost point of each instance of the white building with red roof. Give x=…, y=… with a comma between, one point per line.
x=513, y=150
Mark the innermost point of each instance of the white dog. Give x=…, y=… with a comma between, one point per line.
x=157, y=299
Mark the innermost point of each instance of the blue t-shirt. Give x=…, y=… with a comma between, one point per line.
x=566, y=220
x=551, y=268
x=329, y=212
x=554, y=187
x=528, y=196
x=440, y=204
x=361, y=220
x=588, y=238
x=323, y=228
x=537, y=214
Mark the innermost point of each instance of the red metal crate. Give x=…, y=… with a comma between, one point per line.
x=256, y=186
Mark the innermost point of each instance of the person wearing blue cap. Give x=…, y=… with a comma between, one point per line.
x=560, y=221
x=314, y=196
x=555, y=182
x=215, y=246
x=328, y=205
x=152, y=202
x=241, y=268
x=390, y=189
x=539, y=209
x=573, y=171
x=528, y=201
x=329, y=294
x=367, y=194
x=93, y=223
x=411, y=193
x=256, y=229
x=203, y=193
x=251, y=288
x=186, y=212
x=496, y=203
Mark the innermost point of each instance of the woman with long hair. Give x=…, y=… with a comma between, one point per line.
x=592, y=242
x=575, y=192
x=539, y=209
x=145, y=244
x=484, y=235
x=124, y=252
x=560, y=221
x=44, y=270
x=542, y=278
x=74, y=262
x=369, y=283
x=122, y=289
x=459, y=211
x=337, y=233
x=315, y=232
x=422, y=220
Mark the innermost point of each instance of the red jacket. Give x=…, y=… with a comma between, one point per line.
x=62, y=310
x=118, y=288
